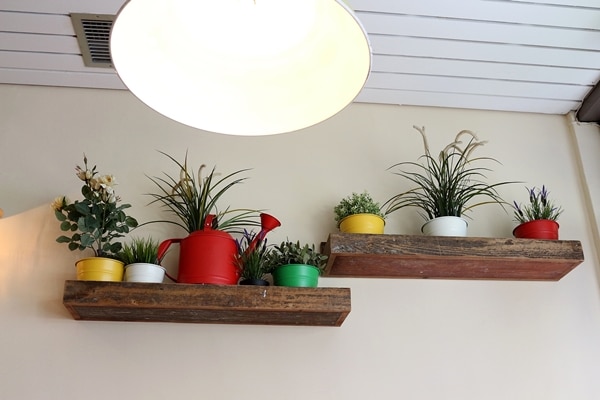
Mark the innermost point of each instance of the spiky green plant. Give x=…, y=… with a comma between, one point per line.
x=139, y=250
x=357, y=203
x=446, y=184
x=252, y=258
x=192, y=198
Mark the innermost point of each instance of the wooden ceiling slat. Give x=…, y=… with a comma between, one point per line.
x=497, y=52
x=592, y=4
x=63, y=6
x=477, y=102
x=473, y=31
x=48, y=61
x=36, y=23
x=64, y=79
x=485, y=70
x=477, y=86
x=38, y=43
x=498, y=11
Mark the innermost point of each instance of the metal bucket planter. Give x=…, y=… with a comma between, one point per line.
x=445, y=226
x=144, y=272
x=362, y=223
x=99, y=269
x=537, y=229
x=296, y=275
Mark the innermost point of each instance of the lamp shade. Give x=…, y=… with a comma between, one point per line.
x=241, y=67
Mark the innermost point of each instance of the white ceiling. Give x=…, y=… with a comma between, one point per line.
x=530, y=56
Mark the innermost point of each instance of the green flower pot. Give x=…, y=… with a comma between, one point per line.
x=296, y=275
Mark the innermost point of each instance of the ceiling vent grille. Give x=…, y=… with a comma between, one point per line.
x=93, y=33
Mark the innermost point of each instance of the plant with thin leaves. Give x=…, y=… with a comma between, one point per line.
x=357, y=203
x=140, y=250
x=191, y=198
x=97, y=220
x=252, y=255
x=289, y=252
x=447, y=184
x=539, y=207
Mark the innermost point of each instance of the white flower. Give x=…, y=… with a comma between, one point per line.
x=59, y=203
x=95, y=184
x=108, y=180
x=107, y=194
x=84, y=175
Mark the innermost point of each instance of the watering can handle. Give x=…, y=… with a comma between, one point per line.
x=208, y=222
x=162, y=250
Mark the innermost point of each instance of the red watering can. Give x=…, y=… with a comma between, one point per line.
x=209, y=255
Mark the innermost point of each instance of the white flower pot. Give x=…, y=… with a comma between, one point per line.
x=445, y=226
x=143, y=272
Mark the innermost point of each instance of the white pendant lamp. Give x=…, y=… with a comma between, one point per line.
x=241, y=67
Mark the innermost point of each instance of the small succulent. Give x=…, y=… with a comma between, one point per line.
x=357, y=203
x=294, y=253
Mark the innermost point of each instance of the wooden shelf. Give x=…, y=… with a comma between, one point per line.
x=263, y=305
x=404, y=256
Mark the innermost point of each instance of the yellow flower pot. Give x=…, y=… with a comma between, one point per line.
x=362, y=223
x=99, y=269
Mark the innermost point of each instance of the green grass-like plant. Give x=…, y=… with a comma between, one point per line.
x=252, y=260
x=446, y=184
x=357, y=203
x=140, y=250
x=191, y=198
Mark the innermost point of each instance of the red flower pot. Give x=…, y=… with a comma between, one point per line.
x=537, y=229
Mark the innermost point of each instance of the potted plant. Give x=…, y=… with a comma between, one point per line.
x=537, y=220
x=207, y=254
x=293, y=264
x=446, y=185
x=142, y=264
x=359, y=213
x=95, y=223
x=252, y=257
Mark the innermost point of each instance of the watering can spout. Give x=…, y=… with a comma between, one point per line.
x=267, y=224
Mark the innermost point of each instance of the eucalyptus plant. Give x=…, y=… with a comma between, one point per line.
x=446, y=184
x=192, y=197
x=357, y=203
x=96, y=221
x=289, y=252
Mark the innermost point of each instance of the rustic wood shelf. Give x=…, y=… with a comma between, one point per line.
x=263, y=305
x=405, y=256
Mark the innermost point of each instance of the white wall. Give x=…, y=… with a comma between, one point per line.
x=412, y=339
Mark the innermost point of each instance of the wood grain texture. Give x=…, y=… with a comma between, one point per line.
x=272, y=305
x=406, y=256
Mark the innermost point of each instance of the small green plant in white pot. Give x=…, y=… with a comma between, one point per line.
x=141, y=261
x=295, y=264
x=359, y=213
